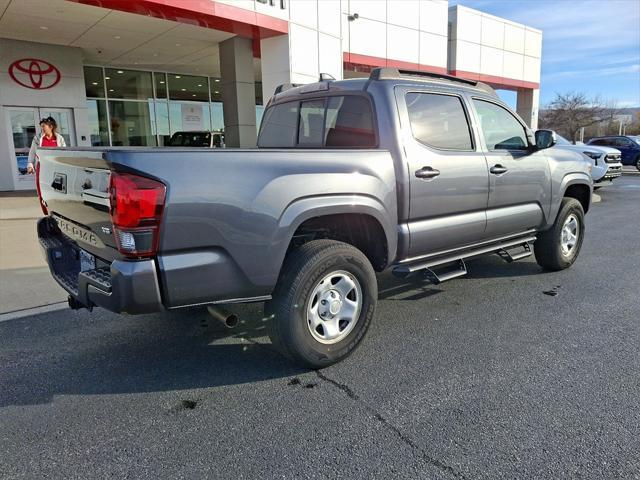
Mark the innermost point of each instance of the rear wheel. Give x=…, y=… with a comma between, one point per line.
x=638, y=162
x=558, y=247
x=324, y=303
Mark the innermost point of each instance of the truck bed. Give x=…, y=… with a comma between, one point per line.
x=228, y=215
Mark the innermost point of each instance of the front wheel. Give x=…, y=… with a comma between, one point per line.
x=558, y=247
x=324, y=303
x=638, y=162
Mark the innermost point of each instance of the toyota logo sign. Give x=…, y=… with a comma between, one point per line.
x=34, y=73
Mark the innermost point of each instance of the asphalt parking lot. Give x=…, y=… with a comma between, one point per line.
x=489, y=376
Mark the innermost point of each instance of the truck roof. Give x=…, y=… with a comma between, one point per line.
x=393, y=76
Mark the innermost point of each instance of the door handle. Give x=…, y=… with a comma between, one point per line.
x=498, y=169
x=427, y=172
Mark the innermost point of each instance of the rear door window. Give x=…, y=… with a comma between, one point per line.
x=439, y=121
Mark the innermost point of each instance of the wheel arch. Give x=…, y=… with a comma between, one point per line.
x=574, y=185
x=359, y=220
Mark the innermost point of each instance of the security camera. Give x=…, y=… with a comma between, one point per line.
x=353, y=17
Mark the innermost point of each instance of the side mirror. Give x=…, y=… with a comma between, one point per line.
x=546, y=139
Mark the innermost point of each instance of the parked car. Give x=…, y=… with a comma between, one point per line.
x=403, y=171
x=606, y=160
x=203, y=139
x=629, y=146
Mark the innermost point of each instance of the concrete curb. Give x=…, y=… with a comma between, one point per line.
x=27, y=312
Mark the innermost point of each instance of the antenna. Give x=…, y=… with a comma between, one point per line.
x=326, y=77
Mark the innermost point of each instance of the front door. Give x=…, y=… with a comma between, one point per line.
x=24, y=123
x=448, y=176
x=519, y=176
x=23, y=129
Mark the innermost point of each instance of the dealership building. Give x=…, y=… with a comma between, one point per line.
x=131, y=73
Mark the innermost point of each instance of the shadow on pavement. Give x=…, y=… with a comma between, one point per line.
x=492, y=266
x=79, y=353
x=119, y=355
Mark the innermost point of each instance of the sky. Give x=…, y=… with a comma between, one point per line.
x=590, y=46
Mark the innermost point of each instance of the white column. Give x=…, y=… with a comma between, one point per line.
x=238, y=92
x=313, y=45
x=528, y=103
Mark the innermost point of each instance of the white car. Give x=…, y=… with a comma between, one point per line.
x=606, y=160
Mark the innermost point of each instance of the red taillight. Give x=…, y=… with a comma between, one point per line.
x=43, y=205
x=136, y=211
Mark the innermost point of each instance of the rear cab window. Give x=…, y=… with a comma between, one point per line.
x=341, y=121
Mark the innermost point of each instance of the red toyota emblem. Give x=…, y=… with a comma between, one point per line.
x=34, y=73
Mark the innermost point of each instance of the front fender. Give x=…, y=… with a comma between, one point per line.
x=574, y=178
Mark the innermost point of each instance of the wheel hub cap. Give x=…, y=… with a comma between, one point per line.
x=334, y=307
x=569, y=235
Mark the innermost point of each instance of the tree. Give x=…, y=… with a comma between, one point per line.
x=569, y=112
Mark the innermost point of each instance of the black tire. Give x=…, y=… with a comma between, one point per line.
x=638, y=162
x=303, y=270
x=548, y=247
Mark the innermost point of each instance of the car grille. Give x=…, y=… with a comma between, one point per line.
x=612, y=158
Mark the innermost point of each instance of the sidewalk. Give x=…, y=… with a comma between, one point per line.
x=25, y=281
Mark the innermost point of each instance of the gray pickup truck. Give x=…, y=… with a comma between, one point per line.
x=401, y=171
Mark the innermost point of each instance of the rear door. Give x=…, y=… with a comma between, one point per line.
x=448, y=173
x=519, y=176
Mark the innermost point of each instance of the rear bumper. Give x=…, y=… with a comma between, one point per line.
x=122, y=286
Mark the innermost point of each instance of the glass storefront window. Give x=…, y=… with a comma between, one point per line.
x=259, y=93
x=162, y=123
x=130, y=84
x=217, y=117
x=188, y=87
x=189, y=117
x=160, y=80
x=259, y=113
x=216, y=89
x=131, y=123
x=97, y=113
x=93, y=82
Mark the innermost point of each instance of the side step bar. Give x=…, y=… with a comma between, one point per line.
x=438, y=276
x=509, y=257
x=427, y=265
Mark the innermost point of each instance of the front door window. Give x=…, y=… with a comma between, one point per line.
x=500, y=129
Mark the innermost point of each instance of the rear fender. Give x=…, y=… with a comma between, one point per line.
x=304, y=209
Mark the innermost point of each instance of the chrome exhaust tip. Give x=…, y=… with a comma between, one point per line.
x=228, y=319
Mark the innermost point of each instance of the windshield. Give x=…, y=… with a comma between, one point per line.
x=190, y=139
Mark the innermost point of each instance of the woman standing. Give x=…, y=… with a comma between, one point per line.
x=47, y=138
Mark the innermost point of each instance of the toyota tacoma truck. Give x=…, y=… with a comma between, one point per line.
x=403, y=171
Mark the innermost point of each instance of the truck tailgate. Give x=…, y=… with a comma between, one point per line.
x=75, y=187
